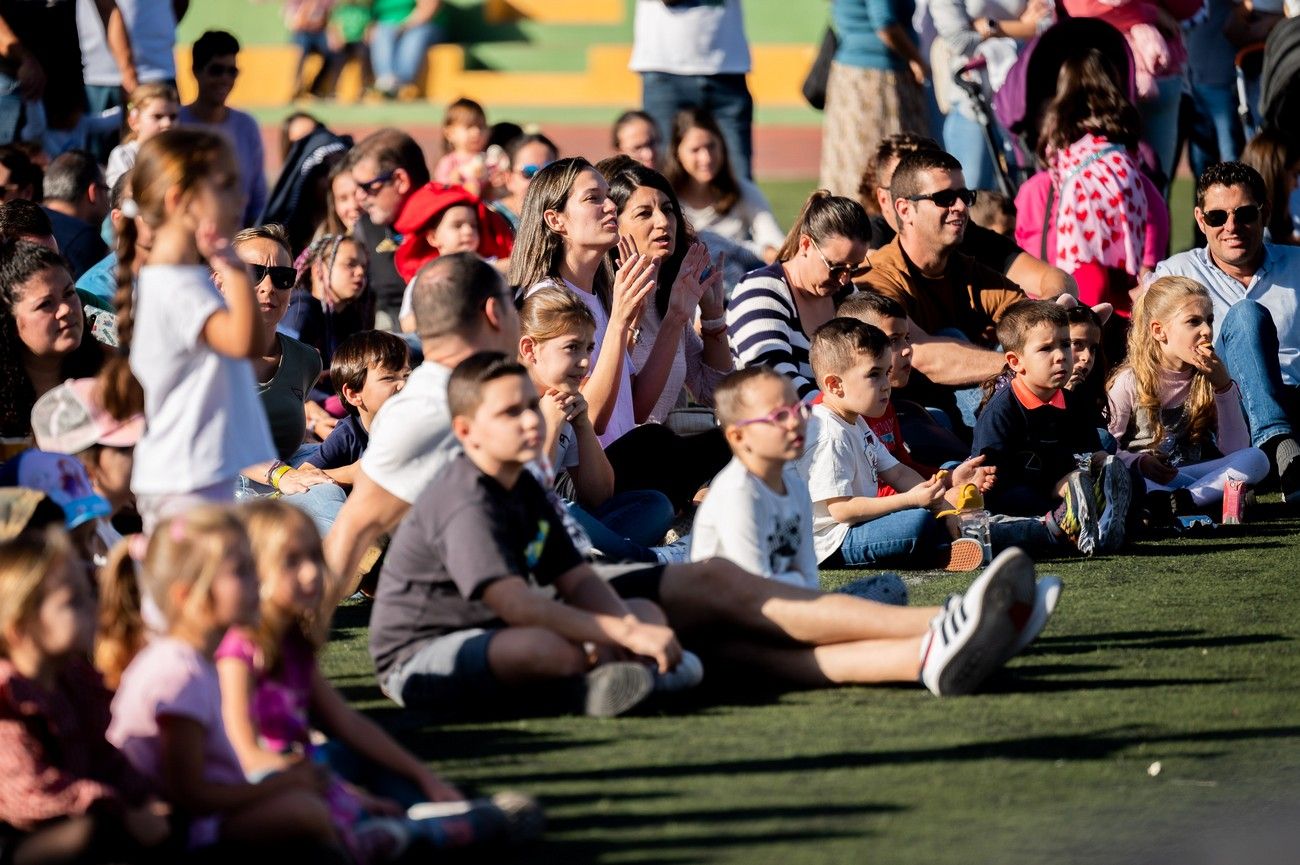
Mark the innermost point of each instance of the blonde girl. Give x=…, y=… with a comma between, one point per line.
x=75, y=794
x=167, y=718
x=187, y=345
x=273, y=695
x=1174, y=409
x=153, y=108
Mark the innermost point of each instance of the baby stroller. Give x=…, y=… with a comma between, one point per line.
x=1279, y=98
x=971, y=80
x=1247, y=67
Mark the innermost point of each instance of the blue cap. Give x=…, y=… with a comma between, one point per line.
x=61, y=477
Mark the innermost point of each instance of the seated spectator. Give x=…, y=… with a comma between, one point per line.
x=76, y=198
x=953, y=302
x=368, y=369
x=844, y=463
x=22, y=219
x=1269, y=154
x=306, y=22
x=1173, y=407
x=153, y=108
x=467, y=160
x=635, y=135
x=996, y=212
x=1252, y=287
x=1037, y=435
x=712, y=196
x=330, y=300
x=1093, y=213
x=982, y=244
x=68, y=795
x=42, y=332
x=215, y=55
x=98, y=285
x=773, y=313
x=20, y=178
x=401, y=35
x=528, y=154
x=341, y=208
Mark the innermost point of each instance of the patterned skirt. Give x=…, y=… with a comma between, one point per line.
x=863, y=106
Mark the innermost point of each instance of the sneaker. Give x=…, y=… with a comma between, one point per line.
x=505, y=818
x=1046, y=594
x=969, y=639
x=676, y=553
x=1076, y=516
x=612, y=689
x=1114, y=491
x=882, y=588
x=688, y=673
x=965, y=554
x=380, y=839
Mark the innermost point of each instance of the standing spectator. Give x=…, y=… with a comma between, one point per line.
x=40, y=59
x=307, y=21
x=214, y=56
x=696, y=55
x=403, y=32
x=876, y=87
x=1215, y=134
x=76, y=198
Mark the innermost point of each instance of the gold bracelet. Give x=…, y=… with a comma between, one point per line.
x=278, y=475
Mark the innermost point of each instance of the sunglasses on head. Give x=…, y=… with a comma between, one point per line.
x=222, y=70
x=1247, y=214
x=282, y=278
x=947, y=197
x=370, y=187
x=528, y=172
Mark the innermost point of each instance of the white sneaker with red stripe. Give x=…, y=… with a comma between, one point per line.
x=970, y=638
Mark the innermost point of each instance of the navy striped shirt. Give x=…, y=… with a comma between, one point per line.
x=763, y=327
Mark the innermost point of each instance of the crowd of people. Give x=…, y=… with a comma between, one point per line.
x=573, y=432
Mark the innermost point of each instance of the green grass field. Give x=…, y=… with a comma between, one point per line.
x=1179, y=651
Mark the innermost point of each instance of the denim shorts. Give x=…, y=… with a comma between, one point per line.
x=445, y=672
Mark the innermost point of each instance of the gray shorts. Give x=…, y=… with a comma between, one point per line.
x=446, y=673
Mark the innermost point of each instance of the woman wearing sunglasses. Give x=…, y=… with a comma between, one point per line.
x=528, y=155
x=285, y=372
x=1092, y=212
x=773, y=313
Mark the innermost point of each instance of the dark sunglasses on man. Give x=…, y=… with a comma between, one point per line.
x=946, y=198
x=1247, y=214
x=282, y=278
x=372, y=187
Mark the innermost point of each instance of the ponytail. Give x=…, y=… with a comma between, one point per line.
x=121, y=632
x=825, y=215
x=122, y=394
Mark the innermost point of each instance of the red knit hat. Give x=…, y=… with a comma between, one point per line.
x=423, y=208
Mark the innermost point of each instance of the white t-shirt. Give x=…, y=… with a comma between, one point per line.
x=623, y=418
x=566, y=451
x=840, y=460
x=742, y=519
x=151, y=25
x=749, y=222
x=410, y=437
x=695, y=37
x=205, y=419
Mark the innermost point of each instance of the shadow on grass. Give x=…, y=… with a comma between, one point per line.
x=1202, y=545
x=1078, y=644
x=1065, y=747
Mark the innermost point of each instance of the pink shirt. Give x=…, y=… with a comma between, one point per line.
x=281, y=700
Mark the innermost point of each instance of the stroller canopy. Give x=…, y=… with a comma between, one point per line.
x=1279, y=100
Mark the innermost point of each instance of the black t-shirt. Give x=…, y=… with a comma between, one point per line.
x=385, y=282
x=994, y=251
x=464, y=532
x=47, y=30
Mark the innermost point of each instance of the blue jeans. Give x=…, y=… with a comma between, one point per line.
x=627, y=524
x=1247, y=342
x=1029, y=533
x=1216, y=134
x=963, y=137
x=910, y=538
x=397, y=55
x=1160, y=122
x=726, y=97
x=322, y=502
x=11, y=109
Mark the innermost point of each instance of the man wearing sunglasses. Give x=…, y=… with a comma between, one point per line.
x=387, y=167
x=1253, y=285
x=953, y=302
x=215, y=70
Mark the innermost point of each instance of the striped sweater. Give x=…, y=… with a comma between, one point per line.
x=763, y=327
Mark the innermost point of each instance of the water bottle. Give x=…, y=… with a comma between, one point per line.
x=973, y=520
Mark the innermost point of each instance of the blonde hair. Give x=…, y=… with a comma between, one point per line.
x=731, y=397
x=271, y=525
x=143, y=94
x=1158, y=303
x=187, y=550
x=552, y=312
x=26, y=563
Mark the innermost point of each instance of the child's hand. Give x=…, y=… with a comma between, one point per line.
x=554, y=405
x=973, y=471
x=1153, y=466
x=578, y=409
x=656, y=642
x=927, y=494
x=1209, y=363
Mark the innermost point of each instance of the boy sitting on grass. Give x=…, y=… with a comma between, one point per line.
x=459, y=617
x=758, y=514
x=367, y=368
x=845, y=463
x=1043, y=440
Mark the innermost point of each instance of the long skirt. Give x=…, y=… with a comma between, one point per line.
x=863, y=106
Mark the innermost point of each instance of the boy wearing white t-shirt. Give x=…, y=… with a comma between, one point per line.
x=844, y=464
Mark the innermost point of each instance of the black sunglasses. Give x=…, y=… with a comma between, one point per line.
x=946, y=198
x=282, y=278
x=1247, y=214
x=370, y=187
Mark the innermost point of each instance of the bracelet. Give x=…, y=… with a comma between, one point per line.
x=278, y=474
x=271, y=470
x=713, y=325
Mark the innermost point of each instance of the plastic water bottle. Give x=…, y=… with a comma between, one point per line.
x=975, y=524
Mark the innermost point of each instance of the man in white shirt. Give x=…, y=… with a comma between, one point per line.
x=694, y=52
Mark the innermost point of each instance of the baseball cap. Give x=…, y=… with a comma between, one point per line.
x=71, y=417
x=61, y=477
x=22, y=509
